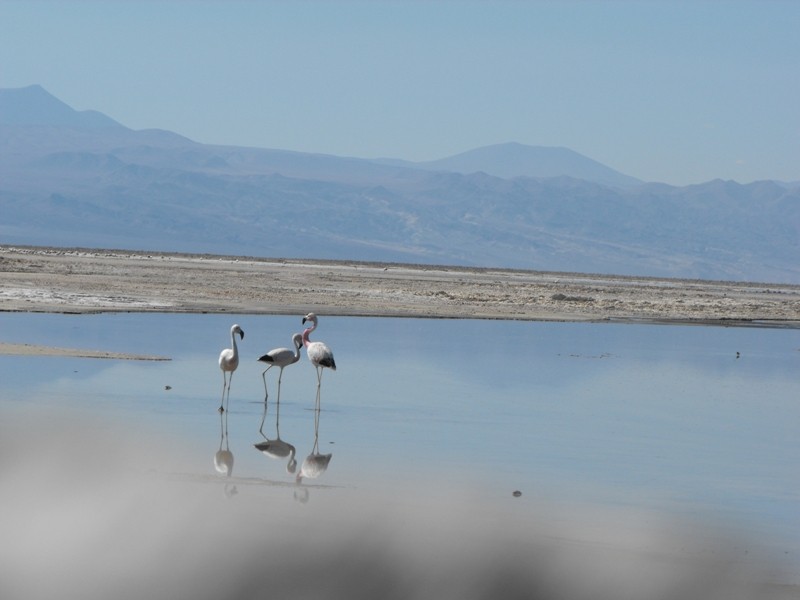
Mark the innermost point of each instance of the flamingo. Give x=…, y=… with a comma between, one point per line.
x=318, y=353
x=281, y=357
x=228, y=361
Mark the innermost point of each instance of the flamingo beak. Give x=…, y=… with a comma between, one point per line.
x=241, y=333
x=304, y=320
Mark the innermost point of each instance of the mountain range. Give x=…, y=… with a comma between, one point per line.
x=79, y=178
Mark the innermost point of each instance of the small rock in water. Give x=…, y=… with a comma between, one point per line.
x=517, y=494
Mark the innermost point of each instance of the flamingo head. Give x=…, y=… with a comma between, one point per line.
x=297, y=340
x=310, y=317
x=236, y=329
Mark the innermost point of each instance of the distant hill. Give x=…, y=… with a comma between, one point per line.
x=517, y=160
x=82, y=179
x=33, y=105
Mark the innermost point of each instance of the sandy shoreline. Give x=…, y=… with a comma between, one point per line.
x=59, y=280
x=37, y=350
x=78, y=281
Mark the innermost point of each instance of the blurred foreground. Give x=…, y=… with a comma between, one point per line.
x=84, y=516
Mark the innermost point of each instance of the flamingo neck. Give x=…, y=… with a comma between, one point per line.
x=306, y=341
x=233, y=344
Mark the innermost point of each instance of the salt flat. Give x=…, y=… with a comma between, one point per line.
x=38, y=279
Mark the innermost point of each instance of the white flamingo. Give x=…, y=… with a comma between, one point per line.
x=228, y=361
x=318, y=353
x=281, y=357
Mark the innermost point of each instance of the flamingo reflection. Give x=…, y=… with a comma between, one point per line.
x=315, y=464
x=277, y=448
x=223, y=459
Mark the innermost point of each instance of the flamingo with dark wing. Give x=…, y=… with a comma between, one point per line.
x=281, y=357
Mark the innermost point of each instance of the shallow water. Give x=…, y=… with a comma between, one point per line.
x=694, y=422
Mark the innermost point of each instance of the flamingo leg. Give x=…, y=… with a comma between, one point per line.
x=228, y=395
x=224, y=385
x=263, y=418
x=315, y=450
x=319, y=385
x=280, y=375
x=264, y=377
x=319, y=392
x=319, y=376
x=225, y=435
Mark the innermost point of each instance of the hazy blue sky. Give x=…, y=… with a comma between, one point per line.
x=679, y=92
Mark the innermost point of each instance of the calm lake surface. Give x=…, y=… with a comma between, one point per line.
x=693, y=421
